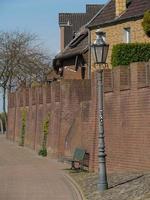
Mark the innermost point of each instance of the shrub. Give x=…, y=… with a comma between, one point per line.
x=124, y=54
x=23, y=128
x=43, y=150
x=146, y=23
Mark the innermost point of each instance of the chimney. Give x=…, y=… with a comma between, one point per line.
x=120, y=7
x=62, y=37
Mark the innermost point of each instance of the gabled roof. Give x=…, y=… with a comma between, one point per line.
x=106, y=15
x=76, y=47
x=136, y=9
x=73, y=21
x=75, y=54
x=77, y=20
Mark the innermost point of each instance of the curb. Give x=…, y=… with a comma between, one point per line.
x=76, y=187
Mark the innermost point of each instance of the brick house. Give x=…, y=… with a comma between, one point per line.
x=71, y=63
x=121, y=21
x=74, y=43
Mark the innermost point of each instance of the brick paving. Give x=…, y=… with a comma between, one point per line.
x=26, y=176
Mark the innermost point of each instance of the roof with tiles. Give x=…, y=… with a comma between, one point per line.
x=73, y=21
x=76, y=47
x=79, y=19
x=136, y=8
x=106, y=15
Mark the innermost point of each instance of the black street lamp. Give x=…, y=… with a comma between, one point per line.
x=99, y=50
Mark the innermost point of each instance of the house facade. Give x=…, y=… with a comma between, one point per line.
x=72, y=61
x=121, y=21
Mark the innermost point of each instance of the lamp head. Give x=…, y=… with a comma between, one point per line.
x=99, y=48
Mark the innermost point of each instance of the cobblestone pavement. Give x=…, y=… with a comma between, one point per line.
x=26, y=176
x=122, y=186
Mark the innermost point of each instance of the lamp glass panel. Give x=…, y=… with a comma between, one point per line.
x=93, y=53
x=99, y=53
x=105, y=52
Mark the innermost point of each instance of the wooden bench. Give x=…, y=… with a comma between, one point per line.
x=80, y=159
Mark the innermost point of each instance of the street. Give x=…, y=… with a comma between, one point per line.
x=26, y=176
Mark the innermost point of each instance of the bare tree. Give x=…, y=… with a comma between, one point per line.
x=21, y=61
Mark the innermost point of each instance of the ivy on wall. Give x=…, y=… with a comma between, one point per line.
x=3, y=121
x=43, y=150
x=146, y=23
x=23, y=127
x=124, y=54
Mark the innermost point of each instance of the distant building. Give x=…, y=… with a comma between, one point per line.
x=70, y=23
x=72, y=61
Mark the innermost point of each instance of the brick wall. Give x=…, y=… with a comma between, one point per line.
x=69, y=105
x=73, y=108
x=127, y=119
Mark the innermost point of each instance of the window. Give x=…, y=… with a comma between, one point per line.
x=127, y=35
x=104, y=37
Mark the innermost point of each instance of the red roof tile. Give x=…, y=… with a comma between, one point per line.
x=107, y=14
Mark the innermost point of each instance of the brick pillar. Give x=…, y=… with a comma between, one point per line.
x=116, y=81
x=133, y=68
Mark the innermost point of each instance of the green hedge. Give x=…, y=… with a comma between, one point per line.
x=146, y=23
x=124, y=54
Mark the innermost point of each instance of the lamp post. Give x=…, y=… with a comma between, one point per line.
x=99, y=49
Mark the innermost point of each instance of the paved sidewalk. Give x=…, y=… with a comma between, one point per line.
x=26, y=176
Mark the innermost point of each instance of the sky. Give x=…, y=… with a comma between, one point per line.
x=39, y=17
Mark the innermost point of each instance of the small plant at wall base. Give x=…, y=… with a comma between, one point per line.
x=124, y=54
x=43, y=150
x=2, y=122
x=146, y=23
x=23, y=127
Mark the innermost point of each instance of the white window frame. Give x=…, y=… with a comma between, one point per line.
x=127, y=35
x=104, y=37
